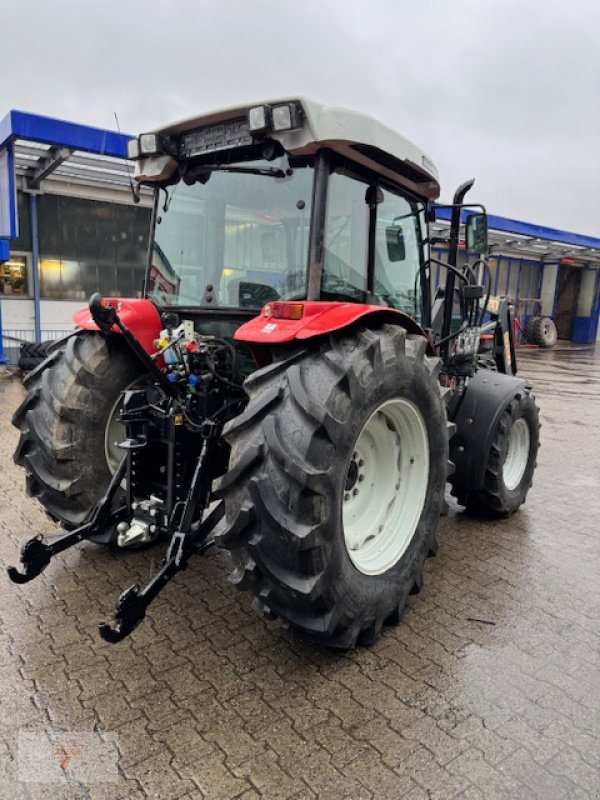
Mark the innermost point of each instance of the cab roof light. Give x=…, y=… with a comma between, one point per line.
x=151, y=144
x=286, y=117
x=282, y=117
x=148, y=144
x=133, y=149
x=258, y=119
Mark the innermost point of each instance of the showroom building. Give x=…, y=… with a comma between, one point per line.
x=69, y=227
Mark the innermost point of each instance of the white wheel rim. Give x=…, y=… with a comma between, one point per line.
x=517, y=454
x=115, y=430
x=385, y=487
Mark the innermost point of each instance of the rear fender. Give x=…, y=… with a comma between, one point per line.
x=139, y=315
x=320, y=318
x=476, y=417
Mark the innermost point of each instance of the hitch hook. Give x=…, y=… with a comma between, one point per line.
x=35, y=557
x=36, y=553
x=129, y=612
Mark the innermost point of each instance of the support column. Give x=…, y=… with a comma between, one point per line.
x=35, y=249
x=3, y=358
x=4, y=256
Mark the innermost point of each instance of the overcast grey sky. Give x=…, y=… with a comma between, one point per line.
x=507, y=92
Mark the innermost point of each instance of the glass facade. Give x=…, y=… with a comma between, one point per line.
x=88, y=246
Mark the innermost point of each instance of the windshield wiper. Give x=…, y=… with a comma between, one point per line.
x=272, y=172
x=202, y=173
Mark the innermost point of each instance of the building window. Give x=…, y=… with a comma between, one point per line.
x=62, y=279
x=13, y=277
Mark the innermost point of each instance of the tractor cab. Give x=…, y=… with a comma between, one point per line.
x=286, y=201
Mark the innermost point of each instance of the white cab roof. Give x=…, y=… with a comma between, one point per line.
x=355, y=136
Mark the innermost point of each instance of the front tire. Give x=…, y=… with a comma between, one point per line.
x=63, y=423
x=337, y=568
x=511, y=461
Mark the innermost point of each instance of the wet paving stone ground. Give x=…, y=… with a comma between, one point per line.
x=489, y=688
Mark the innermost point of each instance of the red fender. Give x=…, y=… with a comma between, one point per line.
x=318, y=318
x=139, y=315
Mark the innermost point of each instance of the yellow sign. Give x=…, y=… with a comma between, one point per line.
x=493, y=305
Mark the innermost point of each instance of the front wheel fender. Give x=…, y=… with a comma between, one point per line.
x=476, y=417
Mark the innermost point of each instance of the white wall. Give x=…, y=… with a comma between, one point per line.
x=57, y=314
x=17, y=313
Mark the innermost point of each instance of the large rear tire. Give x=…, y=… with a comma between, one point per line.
x=64, y=422
x=336, y=483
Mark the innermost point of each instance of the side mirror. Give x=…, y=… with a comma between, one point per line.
x=394, y=239
x=476, y=234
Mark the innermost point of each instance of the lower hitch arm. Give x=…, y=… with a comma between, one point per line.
x=133, y=602
x=36, y=553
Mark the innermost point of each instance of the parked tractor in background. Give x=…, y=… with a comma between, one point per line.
x=291, y=387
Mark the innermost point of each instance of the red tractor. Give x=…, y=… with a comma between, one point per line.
x=291, y=387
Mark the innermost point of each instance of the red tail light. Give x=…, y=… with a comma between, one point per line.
x=284, y=310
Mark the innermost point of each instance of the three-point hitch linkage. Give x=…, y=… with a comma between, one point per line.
x=167, y=494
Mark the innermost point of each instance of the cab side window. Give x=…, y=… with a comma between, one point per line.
x=346, y=240
x=398, y=253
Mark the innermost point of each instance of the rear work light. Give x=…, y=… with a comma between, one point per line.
x=133, y=149
x=284, y=310
x=282, y=117
x=146, y=144
x=150, y=144
x=258, y=119
x=286, y=117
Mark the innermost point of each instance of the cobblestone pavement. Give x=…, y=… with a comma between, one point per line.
x=490, y=687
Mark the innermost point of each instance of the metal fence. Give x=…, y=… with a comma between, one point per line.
x=13, y=338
